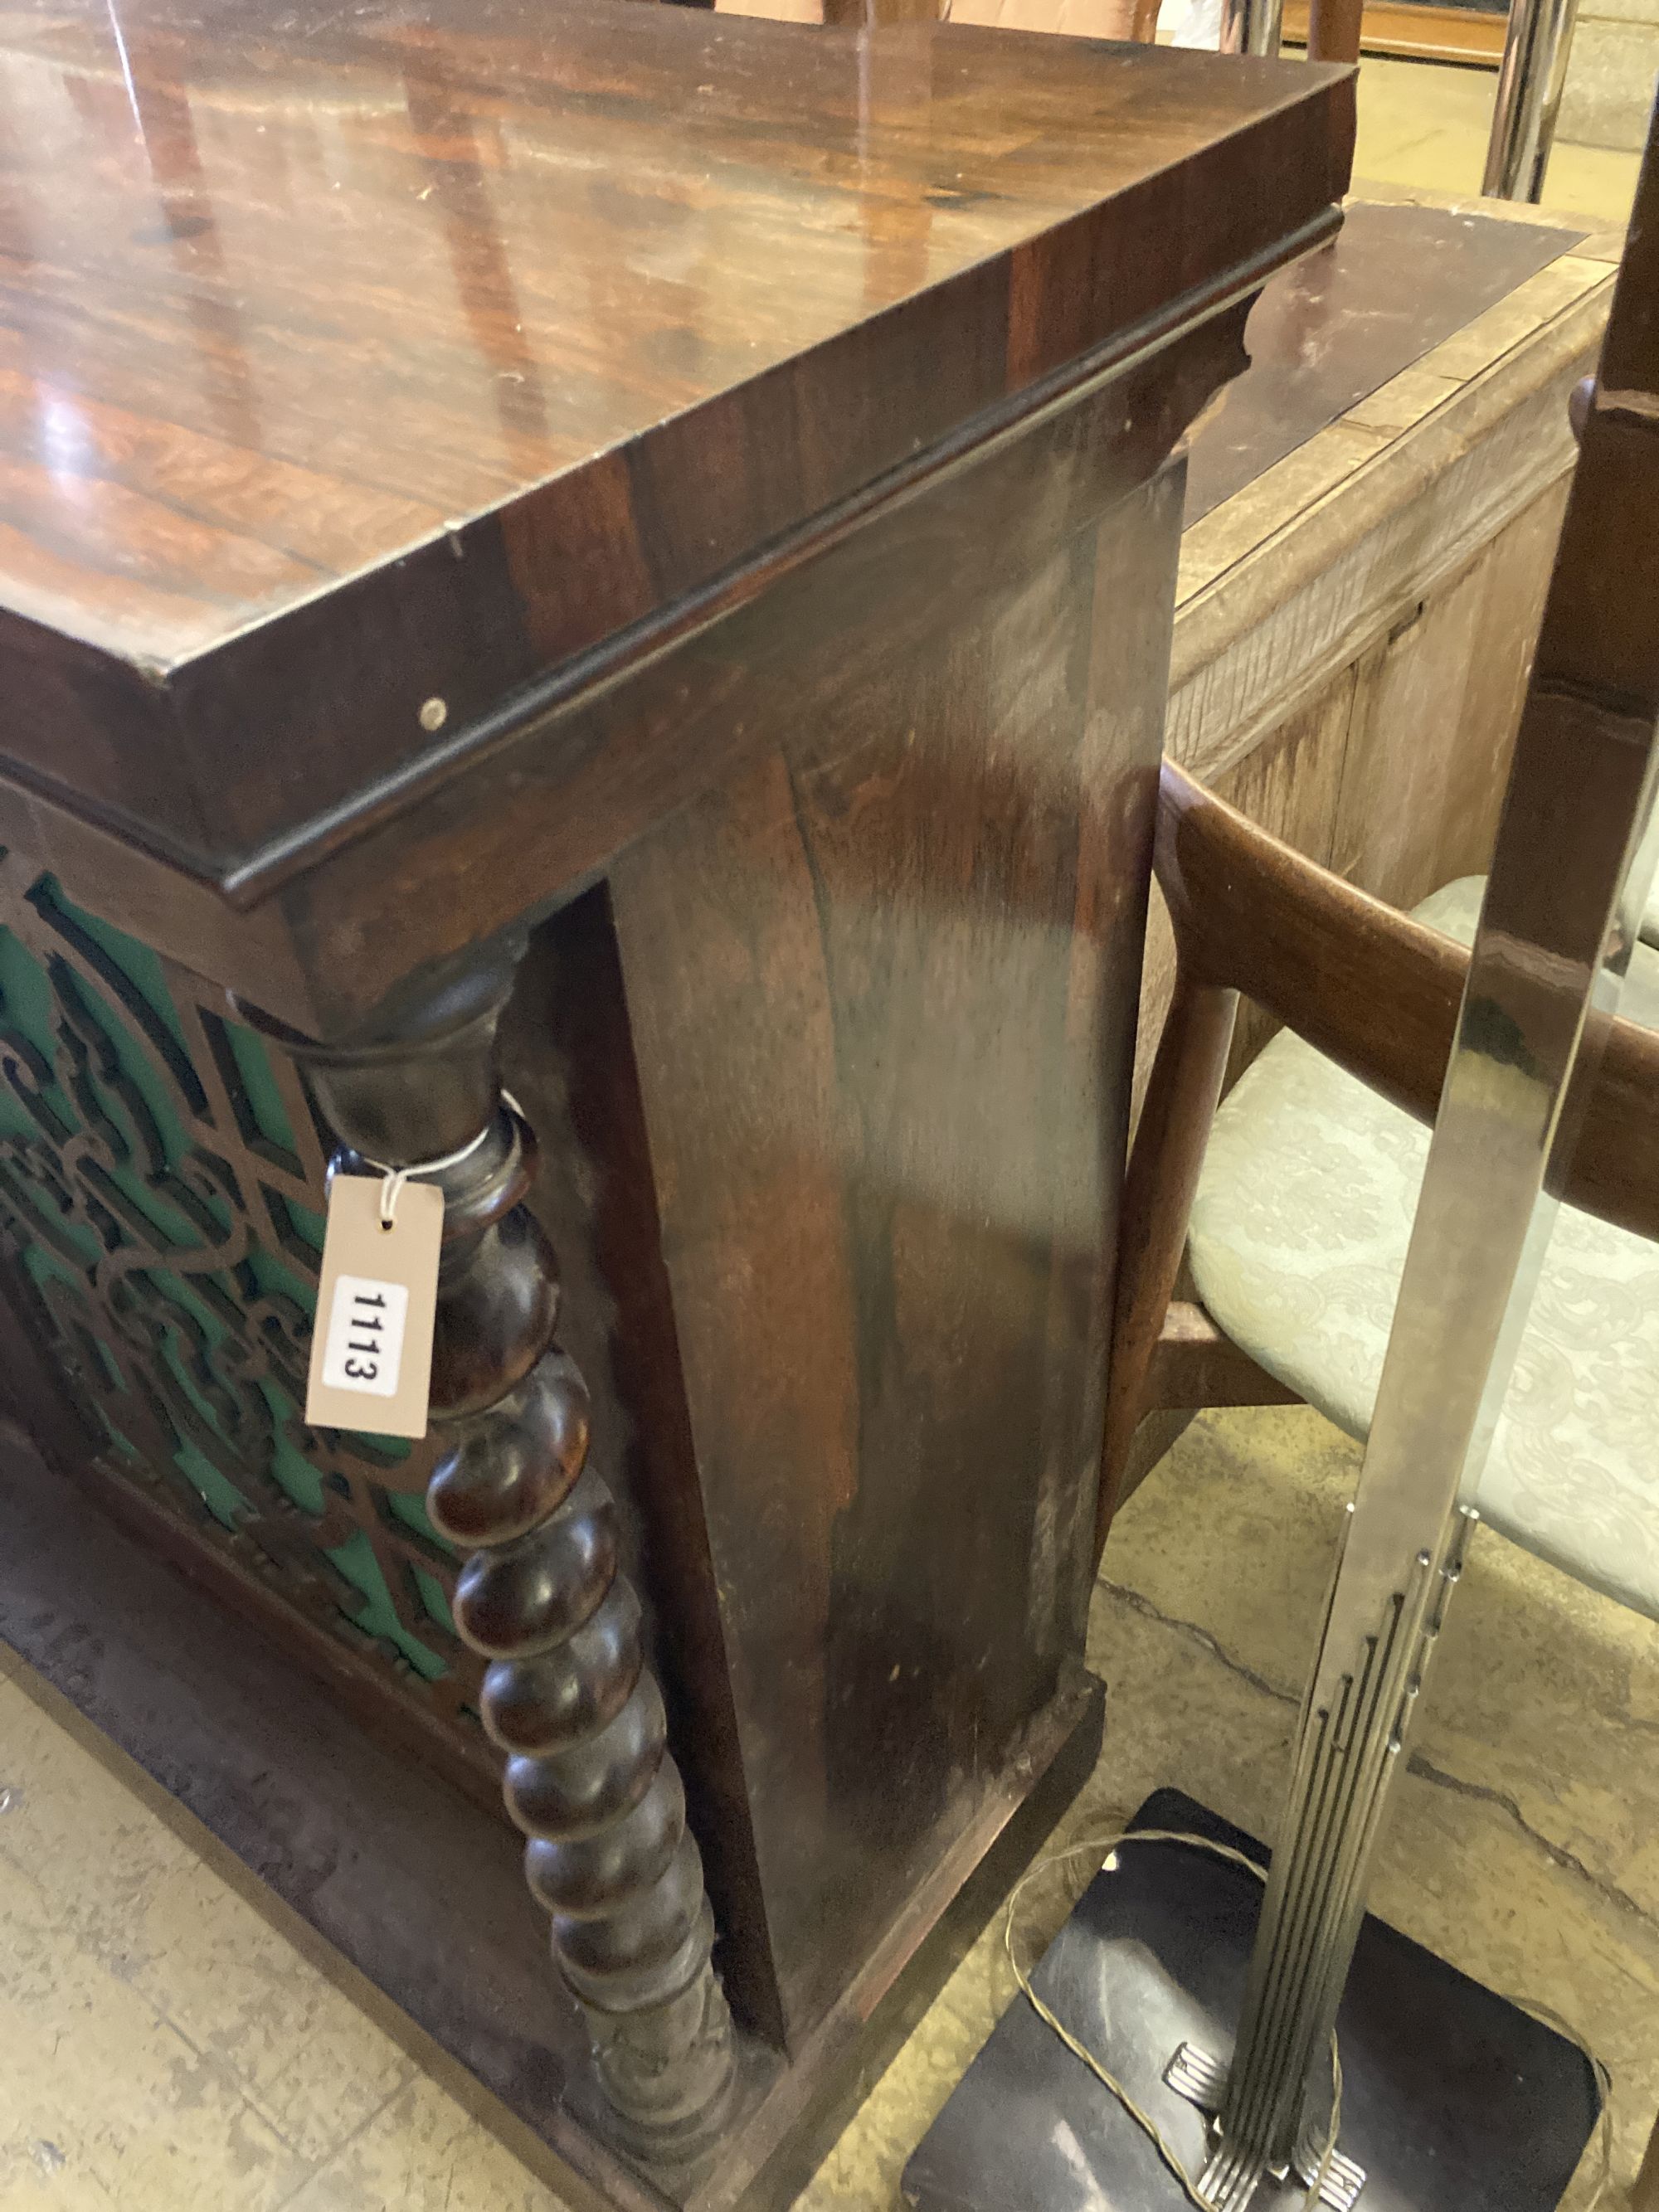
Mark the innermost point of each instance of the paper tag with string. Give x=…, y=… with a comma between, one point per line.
x=371, y=1351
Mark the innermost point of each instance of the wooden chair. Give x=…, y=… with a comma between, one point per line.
x=1333, y=25
x=1369, y=998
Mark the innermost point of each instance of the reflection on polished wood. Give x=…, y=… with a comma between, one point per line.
x=340, y=344
x=679, y=509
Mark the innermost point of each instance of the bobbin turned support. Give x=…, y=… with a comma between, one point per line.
x=568, y=1695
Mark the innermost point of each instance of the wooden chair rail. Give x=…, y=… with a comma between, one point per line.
x=1194, y=1366
x=1373, y=990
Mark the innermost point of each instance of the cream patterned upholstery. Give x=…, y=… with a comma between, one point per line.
x=1297, y=1241
x=1651, y=918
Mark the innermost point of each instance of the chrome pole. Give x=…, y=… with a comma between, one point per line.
x=1529, y=97
x=1573, y=863
x=1251, y=27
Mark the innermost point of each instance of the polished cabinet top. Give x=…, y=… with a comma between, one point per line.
x=367, y=366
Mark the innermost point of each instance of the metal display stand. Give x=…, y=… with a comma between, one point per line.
x=1149, y=1962
x=1530, y=81
x=1450, y=2096
x=1251, y=27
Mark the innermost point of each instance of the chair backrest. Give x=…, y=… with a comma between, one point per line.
x=1373, y=990
x=1379, y=993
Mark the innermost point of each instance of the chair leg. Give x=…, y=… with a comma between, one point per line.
x=1160, y=1431
x=1158, y=1198
x=1333, y=30
x=1194, y=1365
x=1644, y=2193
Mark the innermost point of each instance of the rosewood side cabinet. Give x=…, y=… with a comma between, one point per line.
x=587, y=587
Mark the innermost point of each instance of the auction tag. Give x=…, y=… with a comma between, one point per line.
x=371, y=1351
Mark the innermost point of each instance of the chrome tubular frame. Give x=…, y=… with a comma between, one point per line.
x=1570, y=875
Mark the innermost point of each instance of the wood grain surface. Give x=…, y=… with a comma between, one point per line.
x=882, y=992
x=360, y=366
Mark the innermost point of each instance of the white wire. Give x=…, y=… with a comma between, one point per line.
x=1100, y=1848
x=394, y=1179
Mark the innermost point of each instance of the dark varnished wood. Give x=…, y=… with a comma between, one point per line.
x=567, y=1696
x=1158, y=1198
x=551, y=810
x=986, y=667
x=339, y=345
x=602, y=770
x=757, y=437
x=882, y=996
x=566, y=1046
x=1375, y=991
x=1194, y=1366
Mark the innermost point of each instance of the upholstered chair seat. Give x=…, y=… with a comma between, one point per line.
x=1297, y=1240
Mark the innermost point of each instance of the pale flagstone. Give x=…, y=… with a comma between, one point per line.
x=304, y=2054
x=1428, y=127
x=421, y=2152
x=164, y=2048
x=102, y=2092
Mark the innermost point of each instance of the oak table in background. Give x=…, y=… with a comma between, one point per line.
x=631, y=551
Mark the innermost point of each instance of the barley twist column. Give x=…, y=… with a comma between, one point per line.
x=568, y=1695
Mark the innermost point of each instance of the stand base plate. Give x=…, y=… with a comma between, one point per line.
x=1202, y=2080
x=1454, y=2100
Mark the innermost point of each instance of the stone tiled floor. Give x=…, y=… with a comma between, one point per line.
x=165, y=2046
x=1423, y=124
x=1524, y=1847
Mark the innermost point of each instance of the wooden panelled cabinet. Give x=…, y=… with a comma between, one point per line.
x=628, y=553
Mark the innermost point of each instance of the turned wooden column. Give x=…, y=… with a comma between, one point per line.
x=568, y=1695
